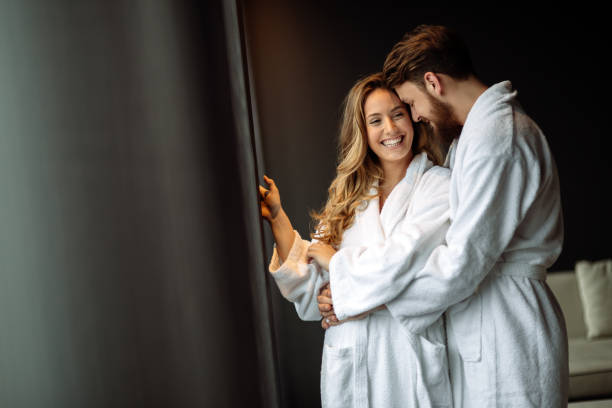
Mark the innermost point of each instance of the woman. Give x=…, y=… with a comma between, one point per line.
x=383, y=186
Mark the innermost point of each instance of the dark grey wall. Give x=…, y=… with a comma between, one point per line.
x=306, y=55
x=123, y=242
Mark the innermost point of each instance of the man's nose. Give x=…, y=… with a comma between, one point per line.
x=415, y=116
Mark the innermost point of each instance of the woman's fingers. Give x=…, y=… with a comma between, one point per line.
x=263, y=192
x=313, y=249
x=324, y=299
x=325, y=302
x=330, y=315
x=327, y=323
x=265, y=208
x=270, y=195
x=268, y=180
x=325, y=307
x=310, y=252
x=265, y=211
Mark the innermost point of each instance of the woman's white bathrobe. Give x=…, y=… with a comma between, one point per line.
x=374, y=362
x=507, y=341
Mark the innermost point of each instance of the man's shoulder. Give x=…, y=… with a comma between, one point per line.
x=492, y=136
x=503, y=133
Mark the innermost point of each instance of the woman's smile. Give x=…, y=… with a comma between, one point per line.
x=393, y=143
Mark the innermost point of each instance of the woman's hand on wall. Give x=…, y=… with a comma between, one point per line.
x=272, y=211
x=270, y=200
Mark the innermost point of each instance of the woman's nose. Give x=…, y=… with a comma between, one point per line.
x=391, y=127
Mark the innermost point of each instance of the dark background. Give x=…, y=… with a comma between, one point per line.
x=305, y=56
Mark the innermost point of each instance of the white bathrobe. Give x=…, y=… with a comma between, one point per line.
x=507, y=341
x=374, y=362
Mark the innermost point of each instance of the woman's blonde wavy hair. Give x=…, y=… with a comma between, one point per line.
x=358, y=166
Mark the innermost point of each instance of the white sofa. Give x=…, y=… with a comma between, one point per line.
x=590, y=361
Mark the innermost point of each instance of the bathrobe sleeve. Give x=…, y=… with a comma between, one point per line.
x=363, y=278
x=299, y=281
x=490, y=209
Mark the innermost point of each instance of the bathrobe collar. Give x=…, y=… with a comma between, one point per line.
x=488, y=102
x=381, y=225
x=485, y=106
x=449, y=162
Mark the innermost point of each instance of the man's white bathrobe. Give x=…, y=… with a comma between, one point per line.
x=375, y=362
x=506, y=334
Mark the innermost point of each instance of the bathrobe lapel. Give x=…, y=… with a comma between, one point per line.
x=375, y=226
x=371, y=228
x=400, y=198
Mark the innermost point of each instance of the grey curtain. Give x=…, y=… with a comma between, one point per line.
x=131, y=267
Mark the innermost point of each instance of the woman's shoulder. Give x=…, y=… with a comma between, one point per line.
x=437, y=172
x=427, y=166
x=431, y=171
x=434, y=179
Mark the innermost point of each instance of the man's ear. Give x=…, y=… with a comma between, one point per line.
x=433, y=83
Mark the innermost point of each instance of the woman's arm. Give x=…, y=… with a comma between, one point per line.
x=283, y=233
x=298, y=280
x=272, y=211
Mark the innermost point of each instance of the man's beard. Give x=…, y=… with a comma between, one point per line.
x=445, y=126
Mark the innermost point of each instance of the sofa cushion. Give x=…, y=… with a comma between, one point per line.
x=590, y=366
x=595, y=287
x=565, y=288
x=607, y=403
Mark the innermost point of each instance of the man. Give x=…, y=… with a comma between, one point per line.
x=507, y=343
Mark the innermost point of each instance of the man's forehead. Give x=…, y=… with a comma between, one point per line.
x=407, y=90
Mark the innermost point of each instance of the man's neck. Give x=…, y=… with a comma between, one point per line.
x=444, y=147
x=462, y=95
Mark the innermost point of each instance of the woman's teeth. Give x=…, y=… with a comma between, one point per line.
x=393, y=142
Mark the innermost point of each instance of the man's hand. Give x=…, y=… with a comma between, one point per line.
x=327, y=324
x=321, y=254
x=326, y=307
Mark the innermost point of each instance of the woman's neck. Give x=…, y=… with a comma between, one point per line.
x=392, y=174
